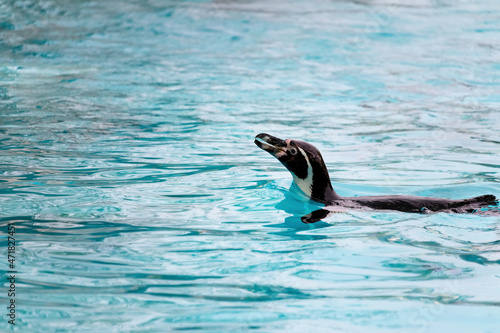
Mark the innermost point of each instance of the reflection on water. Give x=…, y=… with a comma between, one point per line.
x=141, y=202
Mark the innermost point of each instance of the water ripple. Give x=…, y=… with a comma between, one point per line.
x=142, y=204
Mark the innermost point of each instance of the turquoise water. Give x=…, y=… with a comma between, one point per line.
x=141, y=203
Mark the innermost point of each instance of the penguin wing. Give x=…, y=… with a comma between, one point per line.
x=320, y=214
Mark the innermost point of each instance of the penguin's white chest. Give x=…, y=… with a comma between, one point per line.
x=305, y=184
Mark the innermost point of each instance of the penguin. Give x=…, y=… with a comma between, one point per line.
x=309, y=172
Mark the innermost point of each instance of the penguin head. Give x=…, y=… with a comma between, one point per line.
x=305, y=163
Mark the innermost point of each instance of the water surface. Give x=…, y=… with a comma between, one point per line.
x=141, y=203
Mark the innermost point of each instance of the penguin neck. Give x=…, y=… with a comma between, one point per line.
x=322, y=191
x=317, y=185
x=321, y=187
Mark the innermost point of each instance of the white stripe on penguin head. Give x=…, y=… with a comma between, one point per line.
x=305, y=184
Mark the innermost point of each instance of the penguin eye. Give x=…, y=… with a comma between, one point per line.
x=293, y=151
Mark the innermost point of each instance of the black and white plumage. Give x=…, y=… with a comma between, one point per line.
x=305, y=163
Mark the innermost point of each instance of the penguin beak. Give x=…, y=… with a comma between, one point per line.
x=271, y=144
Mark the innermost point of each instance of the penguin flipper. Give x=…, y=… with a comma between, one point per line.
x=315, y=216
x=318, y=215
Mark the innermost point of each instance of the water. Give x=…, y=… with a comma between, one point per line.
x=141, y=203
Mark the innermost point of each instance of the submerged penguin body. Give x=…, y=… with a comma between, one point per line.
x=305, y=163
